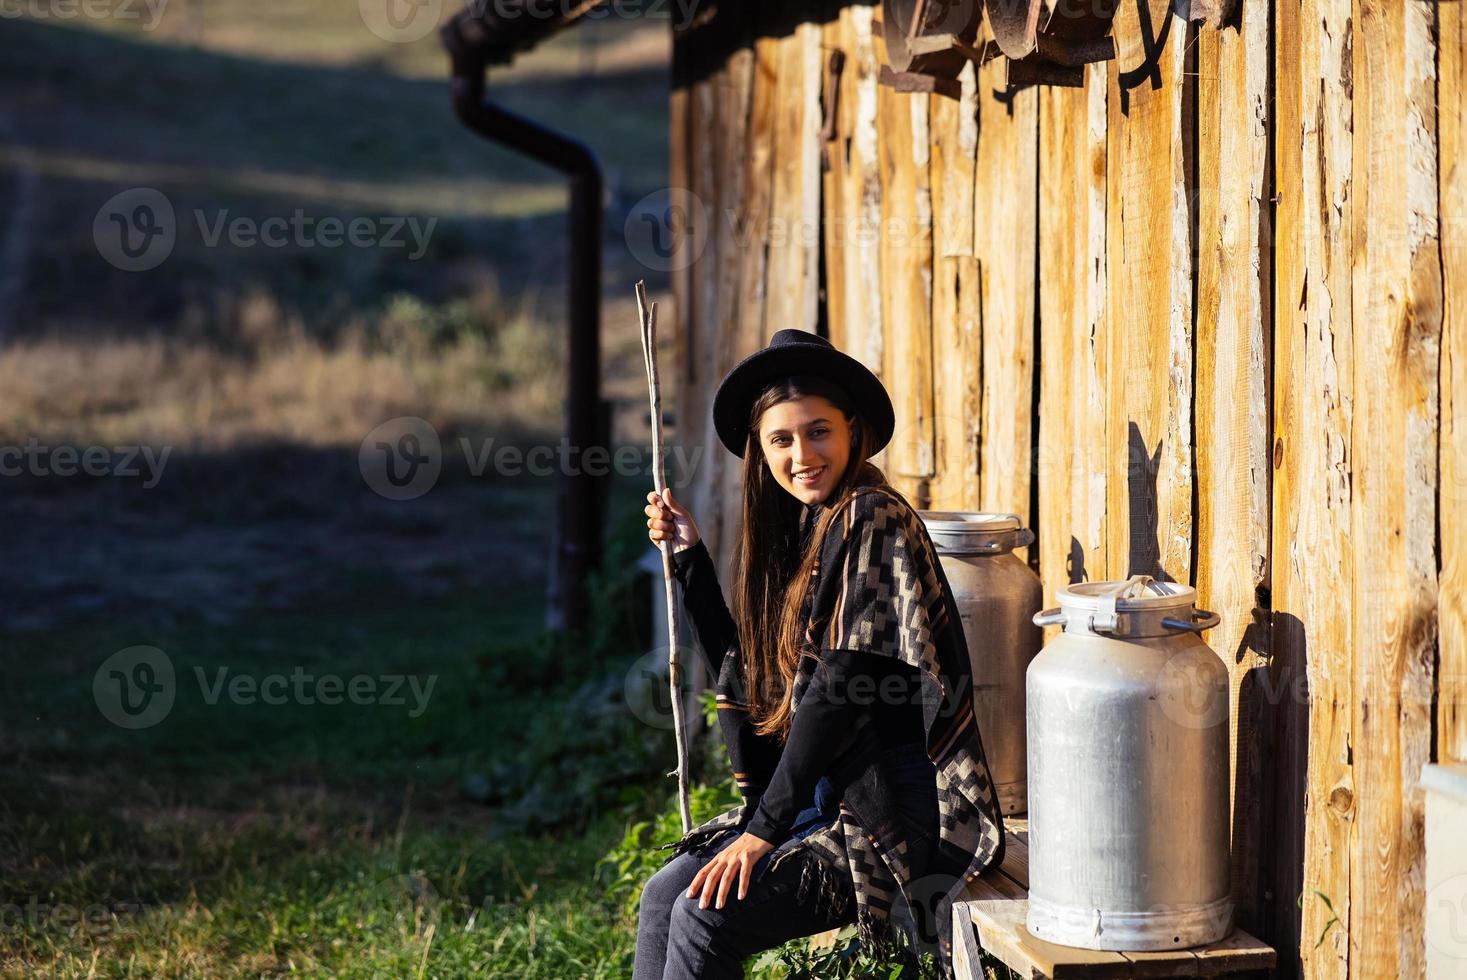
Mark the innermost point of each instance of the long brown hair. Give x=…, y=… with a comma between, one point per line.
x=771, y=573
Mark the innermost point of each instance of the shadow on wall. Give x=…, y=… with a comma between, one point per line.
x=1141, y=470
x=1273, y=702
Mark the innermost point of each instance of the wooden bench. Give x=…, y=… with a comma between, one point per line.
x=992, y=919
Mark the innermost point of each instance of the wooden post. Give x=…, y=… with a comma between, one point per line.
x=1233, y=438
x=1149, y=295
x=1312, y=455
x=1005, y=221
x=1396, y=305
x=1452, y=616
x=1073, y=465
x=957, y=335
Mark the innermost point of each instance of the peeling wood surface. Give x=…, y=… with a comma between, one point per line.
x=1452, y=602
x=1073, y=451
x=1232, y=420
x=864, y=330
x=1235, y=260
x=904, y=152
x=1314, y=562
x=1005, y=220
x=1397, y=320
x=1149, y=299
x=738, y=335
x=794, y=215
x=957, y=339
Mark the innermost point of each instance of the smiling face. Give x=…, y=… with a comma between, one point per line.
x=806, y=444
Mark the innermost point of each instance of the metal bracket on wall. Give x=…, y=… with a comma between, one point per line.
x=911, y=81
x=1059, y=61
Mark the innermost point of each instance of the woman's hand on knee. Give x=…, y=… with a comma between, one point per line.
x=736, y=861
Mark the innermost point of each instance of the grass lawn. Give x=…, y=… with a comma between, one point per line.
x=247, y=839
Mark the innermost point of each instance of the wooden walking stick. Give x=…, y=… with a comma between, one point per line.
x=648, y=316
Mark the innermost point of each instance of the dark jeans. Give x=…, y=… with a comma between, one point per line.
x=676, y=940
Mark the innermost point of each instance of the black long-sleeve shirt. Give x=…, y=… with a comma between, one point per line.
x=848, y=683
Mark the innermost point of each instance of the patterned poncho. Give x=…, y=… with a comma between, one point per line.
x=878, y=588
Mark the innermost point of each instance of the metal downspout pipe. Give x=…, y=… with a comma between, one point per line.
x=581, y=499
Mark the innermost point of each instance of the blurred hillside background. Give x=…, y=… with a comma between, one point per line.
x=493, y=820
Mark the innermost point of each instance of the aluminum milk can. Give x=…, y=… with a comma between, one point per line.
x=997, y=596
x=1128, y=771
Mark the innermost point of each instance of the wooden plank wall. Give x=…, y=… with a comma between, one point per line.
x=1452, y=173
x=1200, y=318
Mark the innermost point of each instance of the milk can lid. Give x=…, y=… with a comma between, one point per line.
x=1137, y=606
x=1139, y=593
x=969, y=521
x=960, y=532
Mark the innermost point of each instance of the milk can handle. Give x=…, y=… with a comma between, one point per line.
x=1023, y=538
x=1049, y=617
x=1202, y=619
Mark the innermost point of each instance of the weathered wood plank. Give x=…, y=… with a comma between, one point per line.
x=837, y=93
x=734, y=143
x=680, y=316
x=863, y=331
x=1232, y=419
x=1234, y=953
x=1002, y=932
x=1396, y=329
x=1006, y=226
x=1149, y=273
x=794, y=217
x=998, y=914
x=1313, y=455
x=906, y=268
x=703, y=272
x=1452, y=599
x=1073, y=460
x=956, y=339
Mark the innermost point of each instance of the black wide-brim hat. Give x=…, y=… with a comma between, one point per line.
x=798, y=352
